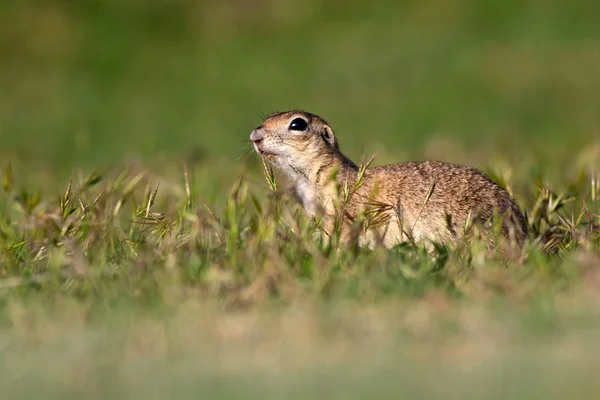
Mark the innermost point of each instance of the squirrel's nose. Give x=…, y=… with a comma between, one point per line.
x=256, y=136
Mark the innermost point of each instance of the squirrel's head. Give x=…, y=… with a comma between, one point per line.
x=294, y=140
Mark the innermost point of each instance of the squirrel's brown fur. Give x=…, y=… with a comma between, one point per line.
x=418, y=201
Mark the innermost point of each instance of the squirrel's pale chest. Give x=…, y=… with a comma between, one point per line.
x=308, y=195
x=315, y=199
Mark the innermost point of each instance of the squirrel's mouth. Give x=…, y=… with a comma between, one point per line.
x=267, y=154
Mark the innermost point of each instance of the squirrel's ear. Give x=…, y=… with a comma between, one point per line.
x=329, y=137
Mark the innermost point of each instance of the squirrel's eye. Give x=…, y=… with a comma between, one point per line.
x=298, y=124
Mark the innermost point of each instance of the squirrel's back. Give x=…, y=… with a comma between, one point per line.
x=439, y=200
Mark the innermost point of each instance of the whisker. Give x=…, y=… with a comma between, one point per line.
x=261, y=115
x=291, y=105
x=245, y=154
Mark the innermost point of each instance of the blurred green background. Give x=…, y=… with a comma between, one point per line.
x=87, y=83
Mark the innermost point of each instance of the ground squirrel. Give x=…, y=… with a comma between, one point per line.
x=428, y=201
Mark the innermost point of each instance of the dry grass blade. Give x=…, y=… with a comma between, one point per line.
x=151, y=199
x=133, y=183
x=425, y=202
x=189, y=204
x=269, y=175
x=377, y=214
x=361, y=173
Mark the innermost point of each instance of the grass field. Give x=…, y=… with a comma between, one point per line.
x=144, y=255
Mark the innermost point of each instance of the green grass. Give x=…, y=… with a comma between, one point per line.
x=126, y=283
x=143, y=254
